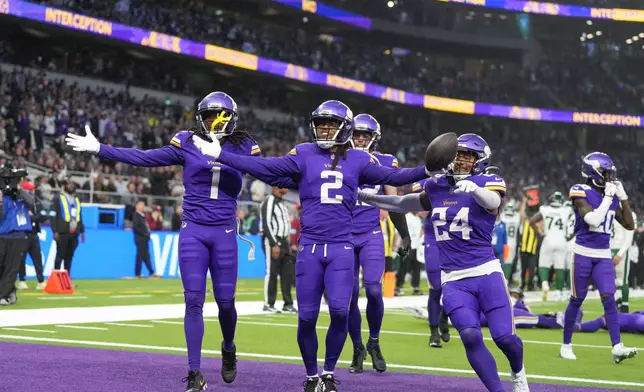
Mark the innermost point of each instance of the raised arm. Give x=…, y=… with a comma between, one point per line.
x=623, y=215
x=374, y=174
x=413, y=202
x=593, y=217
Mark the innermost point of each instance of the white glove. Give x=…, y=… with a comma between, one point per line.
x=465, y=186
x=619, y=190
x=610, y=189
x=83, y=143
x=211, y=149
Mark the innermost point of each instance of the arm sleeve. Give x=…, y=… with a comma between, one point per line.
x=400, y=223
x=266, y=211
x=486, y=198
x=400, y=204
x=596, y=216
x=264, y=169
x=164, y=156
x=374, y=174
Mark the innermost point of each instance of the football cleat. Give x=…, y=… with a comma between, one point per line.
x=270, y=309
x=359, y=355
x=435, y=341
x=378, y=361
x=196, y=381
x=519, y=381
x=327, y=383
x=565, y=352
x=620, y=353
x=311, y=384
x=289, y=309
x=228, y=364
x=443, y=326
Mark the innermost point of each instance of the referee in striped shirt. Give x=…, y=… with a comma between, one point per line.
x=276, y=228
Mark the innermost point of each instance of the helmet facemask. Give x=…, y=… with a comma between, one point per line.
x=363, y=140
x=326, y=131
x=216, y=122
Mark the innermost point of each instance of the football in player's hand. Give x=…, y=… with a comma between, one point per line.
x=441, y=152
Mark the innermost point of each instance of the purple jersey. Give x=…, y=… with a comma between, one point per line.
x=462, y=228
x=593, y=237
x=211, y=187
x=366, y=217
x=328, y=196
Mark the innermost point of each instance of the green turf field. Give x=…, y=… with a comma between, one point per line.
x=270, y=337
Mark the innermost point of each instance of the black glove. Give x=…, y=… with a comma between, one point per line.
x=403, y=251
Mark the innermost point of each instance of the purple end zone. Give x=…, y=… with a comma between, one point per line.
x=33, y=367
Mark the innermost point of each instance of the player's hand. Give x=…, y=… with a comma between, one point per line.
x=610, y=189
x=465, y=186
x=619, y=190
x=275, y=252
x=617, y=259
x=83, y=143
x=403, y=251
x=211, y=149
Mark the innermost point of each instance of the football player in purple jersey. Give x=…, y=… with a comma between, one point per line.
x=628, y=322
x=207, y=240
x=463, y=205
x=370, y=251
x=327, y=173
x=597, y=203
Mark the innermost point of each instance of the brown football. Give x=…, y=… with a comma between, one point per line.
x=441, y=152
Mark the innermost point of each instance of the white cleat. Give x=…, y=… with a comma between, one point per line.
x=565, y=352
x=519, y=381
x=560, y=317
x=621, y=353
x=41, y=285
x=22, y=285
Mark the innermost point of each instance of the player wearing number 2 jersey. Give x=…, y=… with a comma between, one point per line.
x=327, y=174
x=207, y=240
x=597, y=203
x=464, y=204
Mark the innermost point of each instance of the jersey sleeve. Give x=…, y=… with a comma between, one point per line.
x=373, y=173
x=169, y=155
x=418, y=187
x=577, y=192
x=268, y=170
x=494, y=183
x=250, y=147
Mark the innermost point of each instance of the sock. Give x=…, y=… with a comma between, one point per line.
x=612, y=319
x=228, y=322
x=434, y=307
x=193, y=327
x=507, y=271
x=324, y=373
x=559, y=278
x=548, y=322
x=543, y=275
x=335, y=338
x=307, y=339
x=572, y=310
x=433, y=330
x=481, y=359
x=512, y=347
x=592, y=326
x=375, y=308
x=355, y=318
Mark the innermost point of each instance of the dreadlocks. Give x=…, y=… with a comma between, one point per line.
x=340, y=152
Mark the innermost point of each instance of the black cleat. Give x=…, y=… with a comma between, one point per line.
x=289, y=309
x=359, y=355
x=443, y=326
x=327, y=383
x=378, y=361
x=435, y=341
x=417, y=292
x=311, y=384
x=228, y=364
x=270, y=309
x=196, y=381
x=624, y=309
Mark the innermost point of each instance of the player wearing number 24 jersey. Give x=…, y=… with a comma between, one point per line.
x=463, y=205
x=207, y=240
x=327, y=173
x=597, y=203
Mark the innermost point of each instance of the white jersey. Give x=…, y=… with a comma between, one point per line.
x=555, y=224
x=620, y=234
x=512, y=222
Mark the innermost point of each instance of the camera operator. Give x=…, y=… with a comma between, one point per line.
x=15, y=225
x=38, y=216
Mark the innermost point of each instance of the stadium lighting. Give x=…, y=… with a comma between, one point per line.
x=629, y=41
x=582, y=39
x=590, y=36
x=598, y=33
x=641, y=35
x=305, y=19
x=636, y=38
x=589, y=22
x=390, y=4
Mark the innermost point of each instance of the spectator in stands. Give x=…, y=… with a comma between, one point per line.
x=155, y=219
x=67, y=225
x=141, y=231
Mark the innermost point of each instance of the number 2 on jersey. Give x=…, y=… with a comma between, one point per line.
x=337, y=178
x=460, y=223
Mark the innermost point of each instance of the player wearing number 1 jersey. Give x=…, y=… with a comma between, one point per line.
x=597, y=203
x=207, y=240
x=327, y=173
x=464, y=204
x=553, y=249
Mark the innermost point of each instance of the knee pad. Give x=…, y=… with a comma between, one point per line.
x=576, y=302
x=471, y=337
x=225, y=305
x=373, y=290
x=307, y=316
x=194, y=301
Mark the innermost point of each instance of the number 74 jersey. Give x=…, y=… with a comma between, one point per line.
x=463, y=229
x=590, y=239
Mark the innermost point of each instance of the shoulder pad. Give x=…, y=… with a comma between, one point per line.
x=578, y=190
x=179, y=139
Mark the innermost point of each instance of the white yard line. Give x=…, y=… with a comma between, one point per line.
x=131, y=296
x=169, y=322
x=130, y=325
x=81, y=327
x=60, y=298
x=299, y=359
x=29, y=330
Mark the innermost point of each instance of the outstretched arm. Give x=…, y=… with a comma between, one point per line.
x=164, y=156
x=269, y=170
x=414, y=202
x=374, y=174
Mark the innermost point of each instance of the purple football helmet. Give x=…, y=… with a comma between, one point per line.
x=599, y=168
x=331, y=124
x=217, y=114
x=479, y=156
x=367, y=124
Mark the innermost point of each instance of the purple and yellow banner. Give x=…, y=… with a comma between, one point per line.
x=234, y=58
x=554, y=9
x=318, y=8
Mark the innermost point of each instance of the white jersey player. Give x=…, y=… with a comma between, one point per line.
x=620, y=243
x=553, y=249
x=510, y=216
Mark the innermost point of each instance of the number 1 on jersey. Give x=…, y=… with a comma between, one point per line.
x=214, y=185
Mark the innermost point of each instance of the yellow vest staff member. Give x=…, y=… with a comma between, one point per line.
x=528, y=248
x=67, y=224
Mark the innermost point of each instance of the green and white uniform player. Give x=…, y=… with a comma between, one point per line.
x=570, y=238
x=620, y=243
